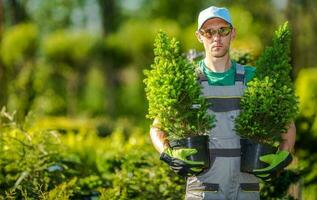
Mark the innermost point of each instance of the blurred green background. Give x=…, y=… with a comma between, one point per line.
x=73, y=104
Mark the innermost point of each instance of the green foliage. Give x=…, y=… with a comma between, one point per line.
x=94, y=92
x=137, y=179
x=269, y=104
x=68, y=47
x=62, y=191
x=50, y=90
x=277, y=189
x=184, y=13
x=276, y=58
x=71, y=65
x=306, y=88
x=132, y=89
x=247, y=29
x=140, y=38
x=25, y=158
x=36, y=162
x=268, y=111
x=52, y=15
x=308, y=164
x=242, y=57
x=18, y=44
x=172, y=90
x=17, y=51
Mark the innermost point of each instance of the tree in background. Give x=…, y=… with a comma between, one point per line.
x=16, y=12
x=18, y=47
x=303, y=17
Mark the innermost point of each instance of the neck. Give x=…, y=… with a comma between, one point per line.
x=218, y=64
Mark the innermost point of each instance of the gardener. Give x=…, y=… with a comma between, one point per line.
x=222, y=81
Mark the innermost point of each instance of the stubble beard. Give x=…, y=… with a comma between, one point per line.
x=219, y=54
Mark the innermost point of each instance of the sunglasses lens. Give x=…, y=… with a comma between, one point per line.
x=224, y=31
x=206, y=33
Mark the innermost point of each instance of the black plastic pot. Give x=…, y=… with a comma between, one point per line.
x=200, y=143
x=250, y=155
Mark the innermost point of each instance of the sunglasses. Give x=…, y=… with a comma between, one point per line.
x=209, y=33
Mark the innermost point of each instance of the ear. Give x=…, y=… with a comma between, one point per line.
x=233, y=33
x=198, y=36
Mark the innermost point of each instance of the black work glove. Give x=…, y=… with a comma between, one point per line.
x=277, y=162
x=178, y=162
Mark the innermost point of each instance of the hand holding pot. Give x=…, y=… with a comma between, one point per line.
x=277, y=162
x=178, y=162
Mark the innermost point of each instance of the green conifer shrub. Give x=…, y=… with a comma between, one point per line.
x=269, y=104
x=173, y=92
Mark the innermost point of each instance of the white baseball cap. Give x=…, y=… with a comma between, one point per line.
x=212, y=12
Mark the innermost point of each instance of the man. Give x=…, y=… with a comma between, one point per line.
x=221, y=79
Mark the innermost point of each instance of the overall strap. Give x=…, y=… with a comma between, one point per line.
x=200, y=75
x=240, y=75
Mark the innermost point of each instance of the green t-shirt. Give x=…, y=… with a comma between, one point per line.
x=227, y=77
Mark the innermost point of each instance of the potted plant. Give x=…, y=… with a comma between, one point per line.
x=175, y=99
x=269, y=104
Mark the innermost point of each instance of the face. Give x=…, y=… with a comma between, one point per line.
x=216, y=35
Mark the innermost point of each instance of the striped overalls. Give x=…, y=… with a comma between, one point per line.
x=224, y=180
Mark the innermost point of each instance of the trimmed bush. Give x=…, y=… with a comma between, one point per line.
x=269, y=104
x=173, y=92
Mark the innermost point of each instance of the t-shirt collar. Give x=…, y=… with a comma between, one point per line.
x=208, y=71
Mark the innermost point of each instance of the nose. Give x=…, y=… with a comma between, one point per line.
x=216, y=37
